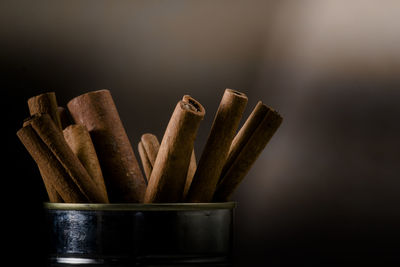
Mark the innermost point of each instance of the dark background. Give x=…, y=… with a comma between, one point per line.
x=325, y=191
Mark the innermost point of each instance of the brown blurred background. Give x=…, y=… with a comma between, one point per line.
x=325, y=191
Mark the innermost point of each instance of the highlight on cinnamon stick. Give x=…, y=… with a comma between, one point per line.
x=246, y=148
x=122, y=175
x=214, y=155
x=169, y=173
x=78, y=139
x=46, y=103
x=53, y=173
x=53, y=138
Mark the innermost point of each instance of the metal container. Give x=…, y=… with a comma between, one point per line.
x=183, y=234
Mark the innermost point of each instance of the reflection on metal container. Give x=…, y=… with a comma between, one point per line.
x=183, y=234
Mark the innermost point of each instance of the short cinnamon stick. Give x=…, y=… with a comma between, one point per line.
x=214, y=155
x=54, y=140
x=122, y=175
x=246, y=147
x=169, y=173
x=46, y=103
x=147, y=166
x=53, y=173
x=148, y=148
x=151, y=145
x=78, y=139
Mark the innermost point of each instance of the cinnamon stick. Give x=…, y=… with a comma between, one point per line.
x=46, y=103
x=53, y=173
x=148, y=154
x=192, y=164
x=52, y=193
x=246, y=148
x=53, y=138
x=148, y=148
x=243, y=136
x=78, y=139
x=190, y=174
x=169, y=173
x=214, y=155
x=122, y=175
x=146, y=164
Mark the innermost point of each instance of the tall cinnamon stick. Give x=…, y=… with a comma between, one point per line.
x=46, y=103
x=246, y=147
x=170, y=169
x=54, y=140
x=78, y=139
x=214, y=155
x=192, y=165
x=122, y=175
x=53, y=172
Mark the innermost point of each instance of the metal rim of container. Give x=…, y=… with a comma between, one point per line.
x=140, y=206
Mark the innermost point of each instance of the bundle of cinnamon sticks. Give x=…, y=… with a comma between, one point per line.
x=84, y=154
